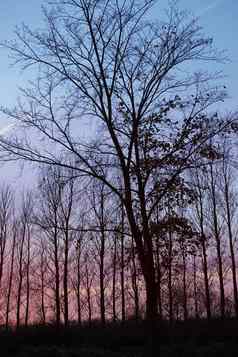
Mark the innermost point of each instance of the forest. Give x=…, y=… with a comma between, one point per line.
x=132, y=216
x=67, y=252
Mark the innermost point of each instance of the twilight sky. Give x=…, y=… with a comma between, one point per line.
x=218, y=19
x=216, y=16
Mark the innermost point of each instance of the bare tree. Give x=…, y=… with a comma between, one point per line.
x=230, y=210
x=88, y=277
x=200, y=187
x=23, y=267
x=27, y=268
x=114, y=274
x=43, y=273
x=10, y=279
x=48, y=220
x=121, y=71
x=122, y=264
x=67, y=201
x=216, y=230
x=134, y=281
x=195, y=289
x=6, y=201
x=79, y=277
x=98, y=197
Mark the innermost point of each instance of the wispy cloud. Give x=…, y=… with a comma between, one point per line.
x=6, y=129
x=209, y=7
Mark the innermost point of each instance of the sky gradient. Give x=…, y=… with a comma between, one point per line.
x=217, y=18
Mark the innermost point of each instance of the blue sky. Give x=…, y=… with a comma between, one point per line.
x=218, y=19
x=12, y=13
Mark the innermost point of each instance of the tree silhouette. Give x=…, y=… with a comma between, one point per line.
x=105, y=63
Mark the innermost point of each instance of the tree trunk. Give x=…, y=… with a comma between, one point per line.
x=27, y=277
x=144, y=247
x=200, y=213
x=195, y=286
x=114, y=273
x=19, y=289
x=57, y=278
x=218, y=244
x=185, y=307
x=2, y=249
x=78, y=252
x=158, y=270
x=123, y=308
x=134, y=283
x=170, y=277
x=88, y=291
x=204, y=257
x=42, y=277
x=66, y=298
x=230, y=235
x=10, y=276
x=151, y=290
x=101, y=268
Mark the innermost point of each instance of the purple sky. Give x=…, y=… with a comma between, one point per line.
x=218, y=19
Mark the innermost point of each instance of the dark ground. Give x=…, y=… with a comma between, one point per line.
x=193, y=338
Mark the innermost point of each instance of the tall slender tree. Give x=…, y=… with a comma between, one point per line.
x=119, y=69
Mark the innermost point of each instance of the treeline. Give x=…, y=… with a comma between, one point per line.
x=135, y=209
x=67, y=253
